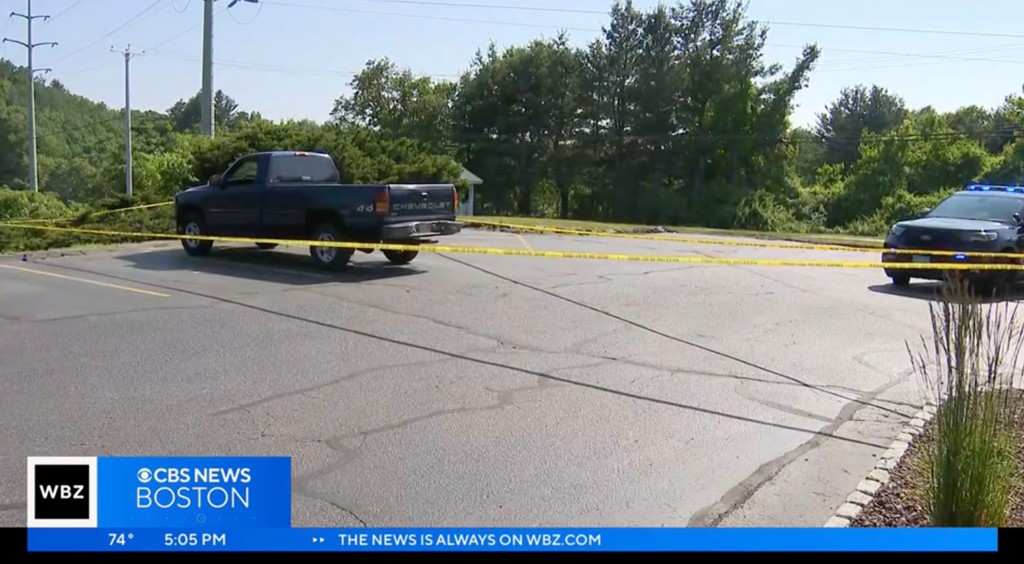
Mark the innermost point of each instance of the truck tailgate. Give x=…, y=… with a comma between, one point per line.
x=422, y=202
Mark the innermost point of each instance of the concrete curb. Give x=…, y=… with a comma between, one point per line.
x=879, y=476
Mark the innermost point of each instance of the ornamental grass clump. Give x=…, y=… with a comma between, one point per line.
x=970, y=371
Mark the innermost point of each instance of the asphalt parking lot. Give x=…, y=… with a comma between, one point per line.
x=470, y=390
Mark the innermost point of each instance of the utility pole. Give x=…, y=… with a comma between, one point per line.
x=206, y=95
x=128, y=55
x=33, y=166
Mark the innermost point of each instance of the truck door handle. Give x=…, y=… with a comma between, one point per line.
x=424, y=195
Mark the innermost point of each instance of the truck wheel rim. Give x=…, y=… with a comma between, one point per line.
x=192, y=229
x=325, y=254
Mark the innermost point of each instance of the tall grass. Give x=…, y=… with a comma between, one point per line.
x=974, y=364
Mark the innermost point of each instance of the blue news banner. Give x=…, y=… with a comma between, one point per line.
x=231, y=504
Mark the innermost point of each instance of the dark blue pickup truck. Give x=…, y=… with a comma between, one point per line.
x=293, y=195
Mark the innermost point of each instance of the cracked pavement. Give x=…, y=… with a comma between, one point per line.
x=470, y=390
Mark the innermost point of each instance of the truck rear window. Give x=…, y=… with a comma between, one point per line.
x=302, y=168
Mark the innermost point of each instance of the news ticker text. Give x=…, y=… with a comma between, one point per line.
x=153, y=539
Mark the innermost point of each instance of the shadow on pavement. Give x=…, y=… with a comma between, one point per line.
x=268, y=266
x=929, y=291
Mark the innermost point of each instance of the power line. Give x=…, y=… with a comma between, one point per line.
x=153, y=8
x=64, y=11
x=33, y=164
x=590, y=30
x=948, y=56
x=177, y=36
x=321, y=72
x=898, y=29
x=514, y=7
x=488, y=6
x=819, y=68
x=435, y=17
x=180, y=34
x=281, y=69
x=259, y=10
x=102, y=65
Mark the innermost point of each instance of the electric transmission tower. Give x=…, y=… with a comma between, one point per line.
x=33, y=166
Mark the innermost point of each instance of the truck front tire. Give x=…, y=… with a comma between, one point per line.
x=330, y=258
x=400, y=257
x=193, y=224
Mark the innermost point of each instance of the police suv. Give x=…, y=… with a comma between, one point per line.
x=982, y=218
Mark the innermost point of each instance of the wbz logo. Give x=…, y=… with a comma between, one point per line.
x=61, y=491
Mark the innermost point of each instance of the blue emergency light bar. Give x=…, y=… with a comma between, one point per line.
x=994, y=188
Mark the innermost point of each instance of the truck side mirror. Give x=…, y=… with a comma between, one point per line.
x=215, y=180
x=925, y=211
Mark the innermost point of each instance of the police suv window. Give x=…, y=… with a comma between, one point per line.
x=974, y=206
x=300, y=168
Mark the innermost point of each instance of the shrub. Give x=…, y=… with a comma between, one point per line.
x=970, y=462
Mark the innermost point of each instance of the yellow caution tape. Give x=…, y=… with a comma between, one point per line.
x=637, y=236
x=91, y=215
x=532, y=253
x=734, y=243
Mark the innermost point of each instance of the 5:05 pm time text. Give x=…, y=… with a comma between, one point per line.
x=195, y=539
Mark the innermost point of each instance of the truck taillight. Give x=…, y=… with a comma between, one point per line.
x=455, y=199
x=383, y=203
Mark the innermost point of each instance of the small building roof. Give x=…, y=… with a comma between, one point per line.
x=470, y=177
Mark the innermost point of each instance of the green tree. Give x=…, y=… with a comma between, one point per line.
x=858, y=109
x=398, y=104
x=186, y=115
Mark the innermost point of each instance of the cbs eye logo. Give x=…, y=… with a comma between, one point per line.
x=144, y=475
x=61, y=492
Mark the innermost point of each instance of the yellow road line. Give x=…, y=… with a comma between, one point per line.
x=104, y=284
x=523, y=241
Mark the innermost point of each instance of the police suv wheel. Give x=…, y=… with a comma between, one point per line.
x=194, y=225
x=901, y=281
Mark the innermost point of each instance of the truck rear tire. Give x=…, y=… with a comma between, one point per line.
x=400, y=257
x=330, y=258
x=193, y=224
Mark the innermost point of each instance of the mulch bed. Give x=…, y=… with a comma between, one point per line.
x=901, y=502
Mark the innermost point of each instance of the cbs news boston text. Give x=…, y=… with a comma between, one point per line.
x=243, y=504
